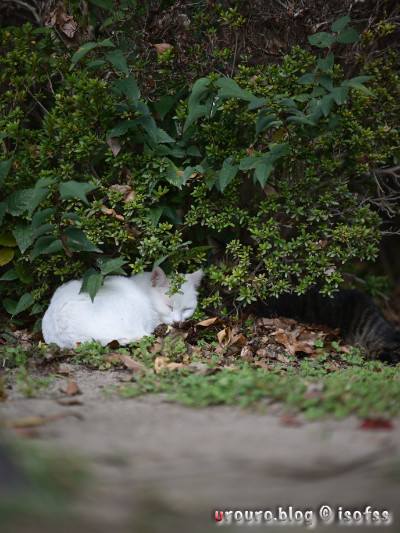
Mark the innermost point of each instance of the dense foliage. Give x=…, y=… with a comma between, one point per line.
x=278, y=163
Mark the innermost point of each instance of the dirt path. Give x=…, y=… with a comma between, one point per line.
x=159, y=467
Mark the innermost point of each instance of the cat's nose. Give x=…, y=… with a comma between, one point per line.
x=176, y=321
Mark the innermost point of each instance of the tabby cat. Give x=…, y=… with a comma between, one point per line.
x=359, y=320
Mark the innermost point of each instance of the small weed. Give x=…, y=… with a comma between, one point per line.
x=30, y=386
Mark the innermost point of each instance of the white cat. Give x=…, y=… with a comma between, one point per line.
x=124, y=309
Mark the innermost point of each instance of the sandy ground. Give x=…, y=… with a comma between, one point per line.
x=156, y=466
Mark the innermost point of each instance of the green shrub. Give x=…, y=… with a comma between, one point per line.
x=278, y=163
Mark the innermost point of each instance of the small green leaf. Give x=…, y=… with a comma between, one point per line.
x=129, y=87
x=154, y=214
x=267, y=122
x=326, y=81
x=228, y=88
x=164, y=105
x=107, y=43
x=7, y=239
x=348, y=36
x=91, y=283
x=262, y=172
x=9, y=305
x=340, y=94
x=341, y=23
x=24, y=273
x=326, y=104
x=81, y=52
x=24, y=302
x=109, y=265
x=257, y=103
x=173, y=175
x=76, y=189
x=17, y=201
x=38, y=194
x=10, y=275
x=4, y=169
x=24, y=235
x=322, y=39
x=42, y=215
x=163, y=137
x=227, y=174
x=117, y=58
x=327, y=63
x=46, y=245
x=306, y=79
x=122, y=127
x=75, y=239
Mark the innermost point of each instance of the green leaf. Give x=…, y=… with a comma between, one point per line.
x=300, y=120
x=199, y=89
x=6, y=255
x=326, y=104
x=71, y=216
x=327, y=63
x=163, y=137
x=173, y=175
x=24, y=235
x=46, y=245
x=288, y=102
x=227, y=174
x=122, y=127
x=154, y=214
x=95, y=64
x=109, y=265
x=39, y=193
x=182, y=179
x=264, y=123
x=75, y=239
x=129, y=88
x=322, y=39
x=194, y=151
x=262, y=172
x=17, y=201
x=10, y=275
x=348, y=36
x=24, y=273
x=228, y=88
x=9, y=305
x=171, y=214
x=81, y=52
x=41, y=216
x=356, y=83
x=44, y=228
x=4, y=169
x=257, y=103
x=150, y=126
x=107, y=43
x=91, y=283
x=76, y=189
x=24, y=302
x=164, y=105
x=326, y=82
x=306, y=79
x=249, y=162
x=340, y=94
x=341, y=23
x=117, y=58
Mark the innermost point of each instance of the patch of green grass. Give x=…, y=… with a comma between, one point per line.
x=367, y=391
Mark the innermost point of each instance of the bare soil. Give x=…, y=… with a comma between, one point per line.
x=156, y=466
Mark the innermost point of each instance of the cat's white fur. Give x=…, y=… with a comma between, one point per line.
x=124, y=309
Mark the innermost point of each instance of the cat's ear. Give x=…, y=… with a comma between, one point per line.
x=158, y=278
x=195, y=278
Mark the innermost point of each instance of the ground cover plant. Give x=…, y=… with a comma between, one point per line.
x=117, y=159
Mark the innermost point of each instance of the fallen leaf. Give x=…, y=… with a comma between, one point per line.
x=160, y=363
x=209, y=322
x=72, y=388
x=377, y=423
x=224, y=336
x=131, y=364
x=161, y=48
x=69, y=401
x=114, y=144
x=32, y=421
x=112, y=213
x=290, y=420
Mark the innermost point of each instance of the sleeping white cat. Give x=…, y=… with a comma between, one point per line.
x=124, y=309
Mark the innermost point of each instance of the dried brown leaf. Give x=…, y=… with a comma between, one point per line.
x=209, y=322
x=115, y=145
x=131, y=364
x=72, y=388
x=161, y=48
